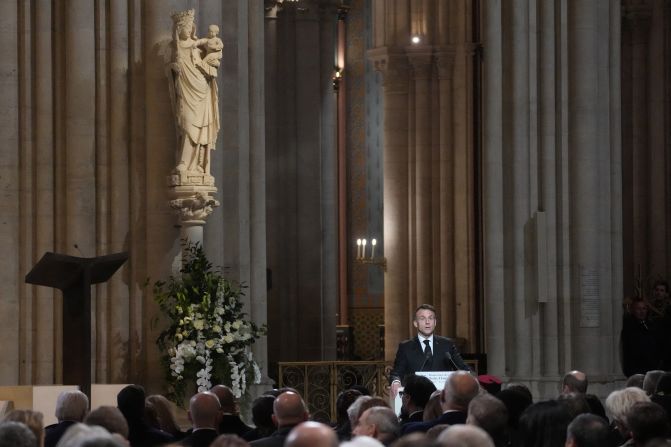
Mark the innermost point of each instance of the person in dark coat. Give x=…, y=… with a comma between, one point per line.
x=205, y=415
x=230, y=417
x=130, y=402
x=289, y=410
x=71, y=407
x=641, y=348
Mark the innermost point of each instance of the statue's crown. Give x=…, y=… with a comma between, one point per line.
x=182, y=17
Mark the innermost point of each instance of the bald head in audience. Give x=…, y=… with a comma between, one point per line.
x=574, y=382
x=309, y=434
x=464, y=436
x=460, y=388
x=204, y=410
x=226, y=398
x=289, y=409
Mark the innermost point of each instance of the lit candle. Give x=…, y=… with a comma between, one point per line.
x=372, y=249
x=358, y=248
x=363, y=254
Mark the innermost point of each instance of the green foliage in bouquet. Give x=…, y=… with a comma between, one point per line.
x=208, y=341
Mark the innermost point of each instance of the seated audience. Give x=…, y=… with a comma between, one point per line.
x=635, y=380
x=574, y=382
x=353, y=411
x=460, y=388
x=662, y=394
x=342, y=426
x=380, y=423
x=589, y=430
x=646, y=421
x=205, y=415
x=166, y=416
x=109, y=418
x=650, y=381
x=464, y=436
x=262, y=417
x=230, y=416
x=543, y=424
x=71, y=407
x=433, y=409
x=311, y=434
x=576, y=403
x=289, y=410
x=490, y=414
x=82, y=435
x=130, y=401
x=374, y=401
x=515, y=401
x=16, y=434
x=34, y=420
x=595, y=405
x=414, y=397
x=618, y=404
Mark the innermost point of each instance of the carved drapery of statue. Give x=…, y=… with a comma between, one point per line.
x=192, y=75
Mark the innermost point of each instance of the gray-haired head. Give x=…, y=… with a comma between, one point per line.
x=353, y=410
x=72, y=405
x=465, y=436
x=16, y=434
x=82, y=435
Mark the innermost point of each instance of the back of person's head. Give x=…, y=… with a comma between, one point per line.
x=433, y=408
x=435, y=431
x=491, y=415
x=343, y=402
x=522, y=388
x=309, y=434
x=71, y=405
x=109, y=418
x=576, y=403
x=650, y=381
x=262, y=412
x=415, y=439
x=418, y=389
x=374, y=401
x=664, y=385
x=516, y=401
x=460, y=389
x=385, y=421
x=619, y=402
x=34, y=420
x=229, y=441
x=226, y=398
x=204, y=410
x=635, y=380
x=16, y=434
x=464, y=436
x=82, y=435
x=647, y=420
x=544, y=424
x=166, y=417
x=289, y=409
x=130, y=401
x=595, y=405
x=588, y=430
x=574, y=382
x=353, y=410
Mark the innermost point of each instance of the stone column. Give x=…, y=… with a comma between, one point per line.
x=395, y=71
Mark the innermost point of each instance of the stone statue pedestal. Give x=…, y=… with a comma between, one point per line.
x=192, y=203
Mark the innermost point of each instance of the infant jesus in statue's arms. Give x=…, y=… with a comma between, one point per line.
x=214, y=47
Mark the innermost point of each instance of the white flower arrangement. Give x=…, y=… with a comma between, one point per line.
x=208, y=341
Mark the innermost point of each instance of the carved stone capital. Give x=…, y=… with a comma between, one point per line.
x=393, y=66
x=193, y=203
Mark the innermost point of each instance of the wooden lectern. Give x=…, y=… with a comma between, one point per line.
x=74, y=276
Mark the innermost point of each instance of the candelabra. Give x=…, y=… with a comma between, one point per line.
x=363, y=258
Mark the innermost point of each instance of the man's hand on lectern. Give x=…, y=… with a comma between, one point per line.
x=395, y=385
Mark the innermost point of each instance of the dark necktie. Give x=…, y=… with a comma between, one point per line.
x=427, y=348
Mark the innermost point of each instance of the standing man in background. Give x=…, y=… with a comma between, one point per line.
x=426, y=351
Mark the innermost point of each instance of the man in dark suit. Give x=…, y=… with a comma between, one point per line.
x=71, y=407
x=289, y=410
x=204, y=414
x=426, y=351
x=415, y=395
x=230, y=418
